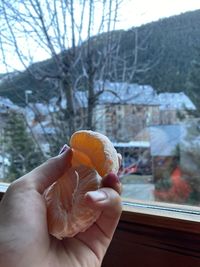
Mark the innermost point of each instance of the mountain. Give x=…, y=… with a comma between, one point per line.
x=177, y=40
x=170, y=47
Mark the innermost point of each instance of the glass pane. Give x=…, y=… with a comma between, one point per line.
x=127, y=69
x=167, y=169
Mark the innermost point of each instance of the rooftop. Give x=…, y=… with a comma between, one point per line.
x=124, y=93
x=175, y=101
x=165, y=138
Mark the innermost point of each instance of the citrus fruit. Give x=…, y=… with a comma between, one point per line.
x=98, y=148
x=93, y=157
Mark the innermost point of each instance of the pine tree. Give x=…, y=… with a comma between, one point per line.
x=190, y=158
x=22, y=151
x=193, y=84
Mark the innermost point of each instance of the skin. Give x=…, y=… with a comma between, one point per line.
x=24, y=238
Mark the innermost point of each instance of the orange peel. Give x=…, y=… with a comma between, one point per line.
x=94, y=156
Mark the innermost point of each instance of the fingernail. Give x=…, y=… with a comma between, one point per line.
x=63, y=149
x=112, y=178
x=97, y=195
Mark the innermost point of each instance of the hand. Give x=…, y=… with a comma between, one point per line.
x=24, y=238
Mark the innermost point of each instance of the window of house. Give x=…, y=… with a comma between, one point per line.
x=77, y=72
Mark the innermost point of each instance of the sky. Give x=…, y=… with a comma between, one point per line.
x=133, y=13
x=138, y=12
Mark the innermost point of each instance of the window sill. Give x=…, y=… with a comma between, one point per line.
x=171, y=216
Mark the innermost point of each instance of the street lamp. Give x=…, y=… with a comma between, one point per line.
x=27, y=92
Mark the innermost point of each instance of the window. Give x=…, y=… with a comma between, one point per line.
x=134, y=79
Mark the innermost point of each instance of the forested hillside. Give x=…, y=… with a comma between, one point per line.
x=166, y=50
x=176, y=41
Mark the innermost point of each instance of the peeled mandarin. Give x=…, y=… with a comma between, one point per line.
x=94, y=156
x=99, y=150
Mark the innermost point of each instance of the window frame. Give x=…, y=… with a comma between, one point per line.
x=160, y=214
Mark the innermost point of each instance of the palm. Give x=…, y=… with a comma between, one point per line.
x=81, y=250
x=73, y=253
x=85, y=249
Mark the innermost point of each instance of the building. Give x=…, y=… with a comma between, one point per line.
x=6, y=106
x=165, y=143
x=123, y=111
x=174, y=107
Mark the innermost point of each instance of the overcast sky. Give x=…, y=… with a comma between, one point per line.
x=132, y=13
x=137, y=12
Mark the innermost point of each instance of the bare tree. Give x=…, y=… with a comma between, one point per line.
x=79, y=39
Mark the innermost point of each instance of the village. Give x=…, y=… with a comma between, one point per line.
x=146, y=127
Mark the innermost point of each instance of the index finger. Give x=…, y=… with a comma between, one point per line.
x=50, y=171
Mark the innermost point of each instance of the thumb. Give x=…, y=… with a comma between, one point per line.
x=50, y=171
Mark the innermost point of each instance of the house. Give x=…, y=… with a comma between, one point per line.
x=165, y=143
x=6, y=105
x=173, y=107
x=40, y=120
x=123, y=110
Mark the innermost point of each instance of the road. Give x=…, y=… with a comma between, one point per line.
x=139, y=191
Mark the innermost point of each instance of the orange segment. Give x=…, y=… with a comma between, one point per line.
x=79, y=158
x=98, y=149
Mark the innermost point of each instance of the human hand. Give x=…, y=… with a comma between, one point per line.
x=24, y=237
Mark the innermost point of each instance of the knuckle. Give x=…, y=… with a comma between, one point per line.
x=54, y=162
x=19, y=184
